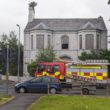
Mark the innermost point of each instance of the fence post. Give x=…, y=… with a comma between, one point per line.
x=81, y=88
x=48, y=90
x=107, y=89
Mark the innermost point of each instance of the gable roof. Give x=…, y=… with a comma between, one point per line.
x=88, y=26
x=67, y=24
x=40, y=26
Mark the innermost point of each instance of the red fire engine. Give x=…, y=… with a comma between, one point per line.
x=64, y=70
x=87, y=75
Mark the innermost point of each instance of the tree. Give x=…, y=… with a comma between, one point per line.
x=31, y=68
x=101, y=54
x=13, y=53
x=45, y=55
x=3, y=41
x=109, y=2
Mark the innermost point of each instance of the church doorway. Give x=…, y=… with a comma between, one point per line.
x=65, y=57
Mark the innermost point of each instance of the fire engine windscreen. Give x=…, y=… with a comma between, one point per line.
x=40, y=68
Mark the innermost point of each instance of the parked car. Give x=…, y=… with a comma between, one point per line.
x=39, y=84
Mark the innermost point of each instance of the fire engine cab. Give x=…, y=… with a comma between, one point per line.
x=54, y=69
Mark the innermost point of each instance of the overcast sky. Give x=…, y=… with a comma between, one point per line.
x=14, y=12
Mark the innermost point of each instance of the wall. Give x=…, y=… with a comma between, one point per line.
x=73, y=51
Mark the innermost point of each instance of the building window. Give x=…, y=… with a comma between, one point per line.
x=65, y=42
x=89, y=41
x=32, y=42
x=80, y=41
x=98, y=42
x=49, y=40
x=40, y=41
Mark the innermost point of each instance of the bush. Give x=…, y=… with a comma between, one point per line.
x=32, y=68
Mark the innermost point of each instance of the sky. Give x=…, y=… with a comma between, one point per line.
x=14, y=12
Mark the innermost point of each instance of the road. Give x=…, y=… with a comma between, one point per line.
x=23, y=101
x=10, y=88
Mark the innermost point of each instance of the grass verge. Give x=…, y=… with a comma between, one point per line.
x=65, y=102
x=5, y=98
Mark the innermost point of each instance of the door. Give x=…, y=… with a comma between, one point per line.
x=34, y=85
x=45, y=82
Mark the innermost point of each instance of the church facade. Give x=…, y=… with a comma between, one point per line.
x=68, y=37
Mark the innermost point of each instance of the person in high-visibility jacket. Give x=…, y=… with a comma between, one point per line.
x=69, y=74
x=44, y=73
x=57, y=73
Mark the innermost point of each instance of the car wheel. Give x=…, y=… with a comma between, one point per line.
x=53, y=90
x=22, y=90
x=85, y=91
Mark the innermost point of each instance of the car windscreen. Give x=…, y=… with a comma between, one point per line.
x=46, y=79
x=36, y=80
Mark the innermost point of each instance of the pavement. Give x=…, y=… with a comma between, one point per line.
x=21, y=102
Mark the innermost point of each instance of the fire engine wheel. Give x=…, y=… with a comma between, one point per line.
x=85, y=91
x=22, y=90
x=53, y=90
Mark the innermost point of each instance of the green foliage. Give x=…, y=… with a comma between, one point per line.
x=32, y=68
x=3, y=39
x=32, y=4
x=13, y=60
x=0, y=68
x=101, y=54
x=46, y=55
x=12, y=39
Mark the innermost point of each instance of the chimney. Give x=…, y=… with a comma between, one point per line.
x=31, y=14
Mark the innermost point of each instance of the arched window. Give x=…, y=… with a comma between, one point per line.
x=80, y=41
x=40, y=41
x=89, y=41
x=32, y=45
x=49, y=40
x=64, y=42
x=98, y=42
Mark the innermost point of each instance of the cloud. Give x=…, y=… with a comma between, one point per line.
x=16, y=11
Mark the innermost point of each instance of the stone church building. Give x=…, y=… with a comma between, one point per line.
x=69, y=37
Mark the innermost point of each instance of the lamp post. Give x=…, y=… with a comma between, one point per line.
x=7, y=66
x=18, y=52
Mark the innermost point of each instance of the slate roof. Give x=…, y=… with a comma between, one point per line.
x=67, y=24
x=88, y=26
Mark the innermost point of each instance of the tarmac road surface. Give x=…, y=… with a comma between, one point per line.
x=21, y=102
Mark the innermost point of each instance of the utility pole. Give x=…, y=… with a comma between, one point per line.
x=18, y=54
x=7, y=68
